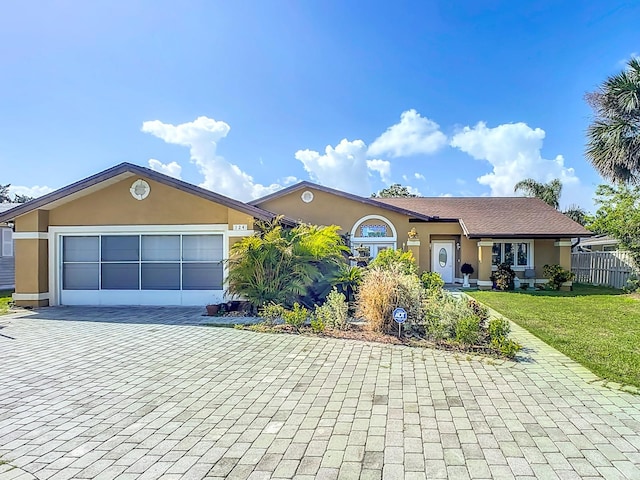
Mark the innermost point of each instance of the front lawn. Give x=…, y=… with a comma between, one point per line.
x=597, y=327
x=5, y=298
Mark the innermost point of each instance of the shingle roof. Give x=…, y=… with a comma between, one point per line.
x=127, y=168
x=518, y=217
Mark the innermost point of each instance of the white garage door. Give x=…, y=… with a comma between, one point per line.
x=141, y=269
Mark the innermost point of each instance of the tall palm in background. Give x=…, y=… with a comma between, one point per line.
x=547, y=192
x=613, y=138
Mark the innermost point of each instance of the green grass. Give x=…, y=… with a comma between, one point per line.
x=597, y=327
x=5, y=298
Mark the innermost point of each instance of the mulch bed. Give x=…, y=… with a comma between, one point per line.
x=358, y=331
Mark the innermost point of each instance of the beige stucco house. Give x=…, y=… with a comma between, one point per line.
x=133, y=236
x=446, y=232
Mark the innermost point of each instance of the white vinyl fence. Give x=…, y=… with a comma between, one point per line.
x=602, y=268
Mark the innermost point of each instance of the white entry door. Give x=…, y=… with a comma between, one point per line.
x=442, y=260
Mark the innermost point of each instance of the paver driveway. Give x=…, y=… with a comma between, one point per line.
x=130, y=393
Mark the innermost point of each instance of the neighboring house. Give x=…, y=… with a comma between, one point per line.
x=597, y=243
x=132, y=236
x=482, y=231
x=7, y=264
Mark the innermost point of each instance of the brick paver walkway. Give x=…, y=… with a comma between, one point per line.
x=147, y=393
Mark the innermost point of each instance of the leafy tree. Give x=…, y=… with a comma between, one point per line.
x=619, y=216
x=395, y=190
x=613, y=138
x=4, y=193
x=22, y=198
x=577, y=214
x=547, y=192
x=282, y=265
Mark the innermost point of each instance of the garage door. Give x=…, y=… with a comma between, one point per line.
x=140, y=269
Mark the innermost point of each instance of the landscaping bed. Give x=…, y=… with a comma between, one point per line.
x=597, y=327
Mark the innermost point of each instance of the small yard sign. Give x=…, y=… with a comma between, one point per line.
x=400, y=316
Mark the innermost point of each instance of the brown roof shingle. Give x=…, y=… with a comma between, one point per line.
x=518, y=217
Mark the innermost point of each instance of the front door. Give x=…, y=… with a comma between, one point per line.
x=442, y=260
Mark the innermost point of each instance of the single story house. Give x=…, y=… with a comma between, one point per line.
x=133, y=236
x=7, y=264
x=442, y=232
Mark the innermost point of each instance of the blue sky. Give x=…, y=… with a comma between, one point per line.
x=244, y=97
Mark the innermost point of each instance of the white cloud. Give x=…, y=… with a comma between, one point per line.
x=343, y=167
x=513, y=150
x=288, y=180
x=414, y=190
x=202, y=137
x=35, y=191
x=414, y=135
x=419, y=176
x=172, y=169
x=383, y=167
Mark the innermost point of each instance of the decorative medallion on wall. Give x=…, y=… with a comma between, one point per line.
x=307, y=196
x=140, y=189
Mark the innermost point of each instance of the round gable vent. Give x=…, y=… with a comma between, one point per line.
x=306, y=196
x=140, y=189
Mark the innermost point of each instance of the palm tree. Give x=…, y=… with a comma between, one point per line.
x=281, y=265
x=347, y=280
x=547, y=192
x=577, y=214
x=613, y=138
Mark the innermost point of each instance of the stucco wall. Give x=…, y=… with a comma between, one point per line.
x=329, y=209
x=114, y=205
x=545, y=253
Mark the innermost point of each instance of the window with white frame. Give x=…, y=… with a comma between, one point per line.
x=6, y=249
x=516, y=254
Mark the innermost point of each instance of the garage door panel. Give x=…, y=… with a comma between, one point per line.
x=141, y=269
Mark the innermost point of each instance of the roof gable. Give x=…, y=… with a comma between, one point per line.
x=120, y=172
x=350, y=196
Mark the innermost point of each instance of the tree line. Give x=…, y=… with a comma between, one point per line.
x=5, y=197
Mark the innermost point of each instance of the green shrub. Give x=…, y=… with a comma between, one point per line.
x=347, y=280
x=478, y=309
x=504, y=277
x=335, y=310
x=633, y=284
x=505, y=346
x=557, y=275
x=297, y=316
x=499, y=328
x=272, y=312
x=382, y=291
x=317, y=324
x=468, y=330
x=442, y=314
x=397, y=260
x=432, y=281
